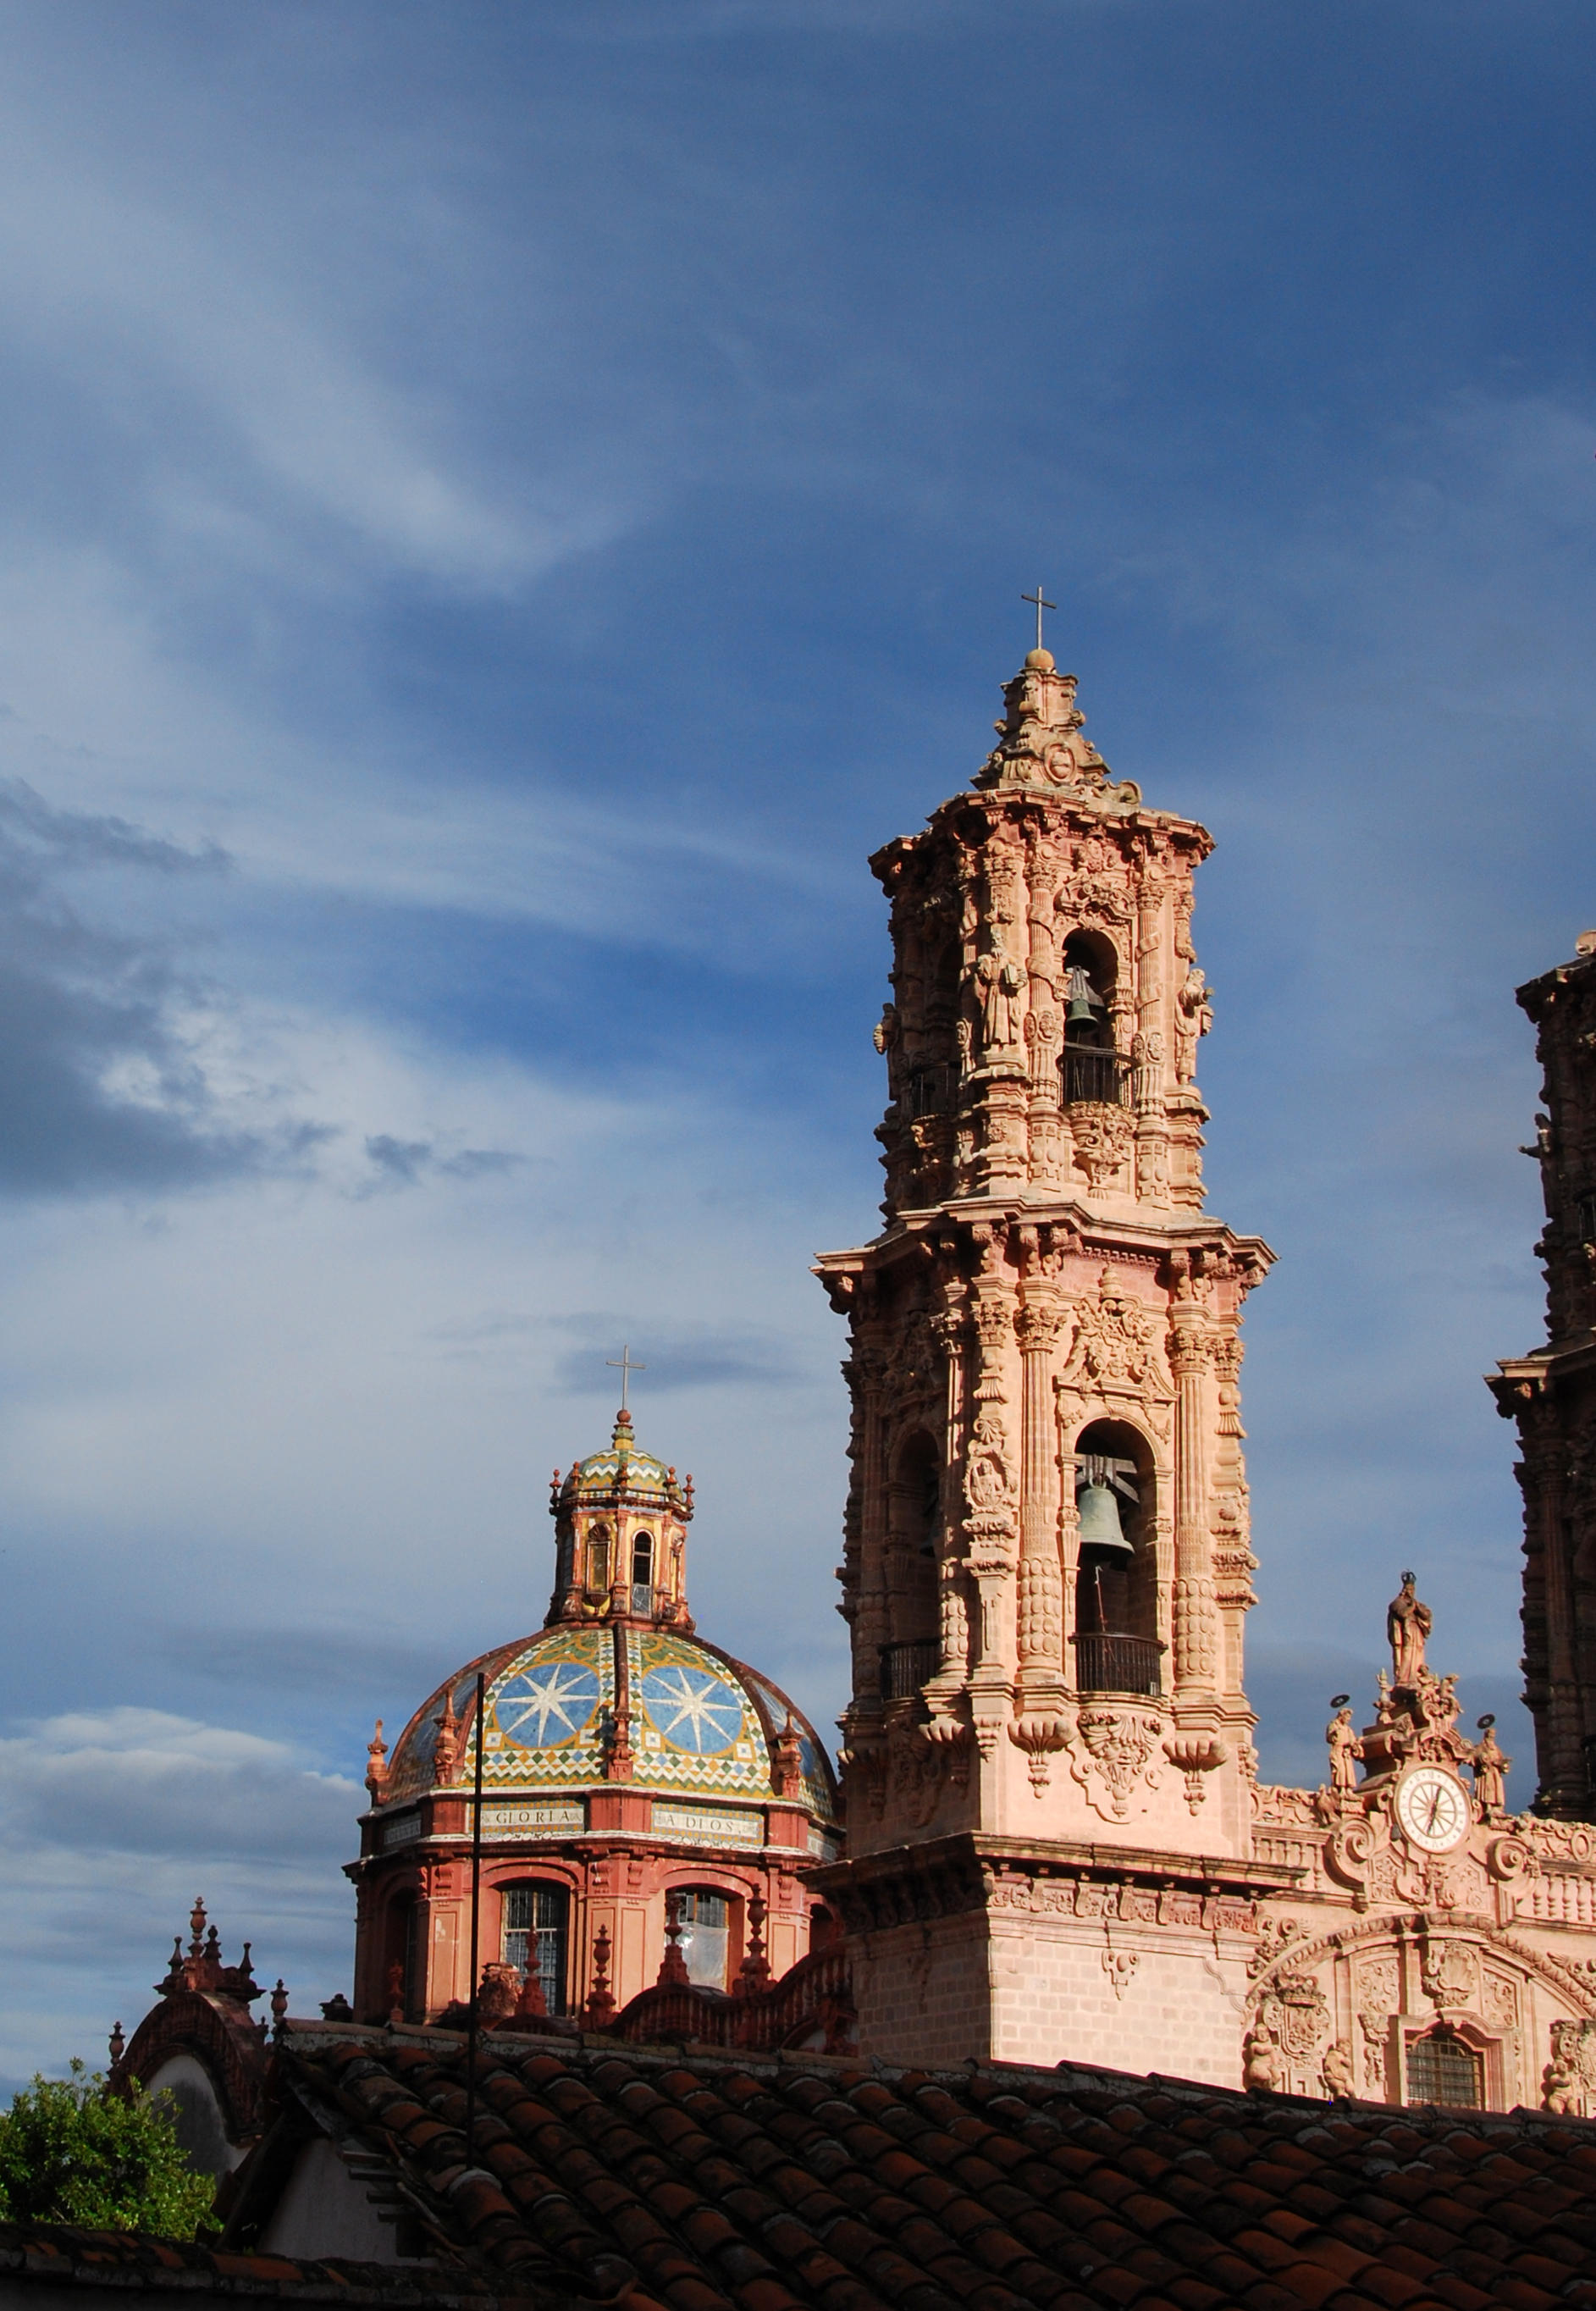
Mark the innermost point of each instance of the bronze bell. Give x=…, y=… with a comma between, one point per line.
x=1100, y=1520
x=1080, y=1011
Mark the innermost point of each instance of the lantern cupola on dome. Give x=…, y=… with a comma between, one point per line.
x=621, y=1520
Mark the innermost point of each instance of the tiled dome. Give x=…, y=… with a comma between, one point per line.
x=702, y=1725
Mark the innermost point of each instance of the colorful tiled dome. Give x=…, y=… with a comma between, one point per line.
x=701, y=1725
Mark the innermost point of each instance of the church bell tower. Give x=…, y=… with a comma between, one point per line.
x=1048, y=1754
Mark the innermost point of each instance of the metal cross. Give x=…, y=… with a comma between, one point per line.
x=1041, y=607
x=623, y=1364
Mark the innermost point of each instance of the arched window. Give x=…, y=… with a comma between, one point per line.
x=599, y=1557
x=643, y=1570
x=536, y=1936
x=706, y=1935
x=1443, y=2068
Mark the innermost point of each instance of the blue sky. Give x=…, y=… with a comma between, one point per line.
x=501, y=509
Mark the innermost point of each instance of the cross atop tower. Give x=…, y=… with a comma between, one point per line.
x=1041, y=607
x=623, y=1364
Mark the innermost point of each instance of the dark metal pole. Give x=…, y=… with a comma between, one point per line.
x=471, y=2026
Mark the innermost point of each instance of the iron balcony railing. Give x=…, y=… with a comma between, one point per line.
x=906, y=1668
x=1093, y=1074
x=1107, y=1662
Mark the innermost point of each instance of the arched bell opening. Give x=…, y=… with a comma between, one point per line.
x=1092, y=1069
x=914, y=1510
x=1116, y=1584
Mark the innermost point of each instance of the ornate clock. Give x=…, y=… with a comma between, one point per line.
x=1432, y=1809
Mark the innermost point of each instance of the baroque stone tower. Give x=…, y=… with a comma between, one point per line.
x=1048, y=1758
x=1551, y=1394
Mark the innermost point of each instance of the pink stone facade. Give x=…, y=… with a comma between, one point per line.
x=1058, y=1849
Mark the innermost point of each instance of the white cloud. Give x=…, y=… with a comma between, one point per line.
x=141, y=1781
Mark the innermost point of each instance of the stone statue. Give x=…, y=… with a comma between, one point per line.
x=1336, y=2068
x=1345, y=1750
x=1407, y=1623
x=885, y=1033
x=1260, y=2060
x=1490, y=1774
x=1001, y=979
x=1194, y=1003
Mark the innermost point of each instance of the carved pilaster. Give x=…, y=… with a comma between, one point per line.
x=953, y=1332
x=1191, y=1356
x=1037, y=1324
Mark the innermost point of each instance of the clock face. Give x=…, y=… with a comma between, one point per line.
x=1433, y=1808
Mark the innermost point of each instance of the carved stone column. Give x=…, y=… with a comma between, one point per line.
x=1041, y=1599
x=1190, y=1354
x=991, y=1520
x=1044, y=1022
x=953, y=1331
x=1149, y=1049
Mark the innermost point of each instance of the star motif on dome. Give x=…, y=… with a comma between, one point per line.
x=546, y=1704
x=694, y=1709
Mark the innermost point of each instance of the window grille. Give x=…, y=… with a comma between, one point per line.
x=537, y=1921
x=1444, y=2069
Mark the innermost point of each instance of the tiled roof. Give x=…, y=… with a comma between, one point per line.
x=705, y=2182
x=53, y=2255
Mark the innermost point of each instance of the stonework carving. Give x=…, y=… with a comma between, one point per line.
x=1260, y=2060
x=1338, y=2070
x=1119, y=1965
x=1039, y=1607
x=989, y=1476
x=1450, y=1974
x=1374, y=2032
x=1102, y=1135
x=1295, y=2012
x=1113, y=1352
x=1119, y=1744
x=1569, y=2081
x=1194, y=1755
x=1041, y=1734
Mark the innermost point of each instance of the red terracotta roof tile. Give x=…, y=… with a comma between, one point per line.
x=797, y=2185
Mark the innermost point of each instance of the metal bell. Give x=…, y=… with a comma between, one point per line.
x=1100, y=1520
x=1080, y=1011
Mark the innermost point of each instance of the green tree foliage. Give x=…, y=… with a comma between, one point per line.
x=72, y=2152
